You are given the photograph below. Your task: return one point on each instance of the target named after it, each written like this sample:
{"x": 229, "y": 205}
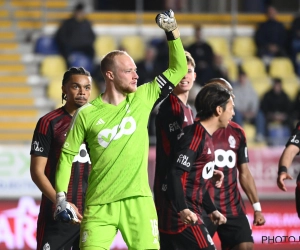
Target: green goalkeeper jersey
{"x": 117, "y": 138}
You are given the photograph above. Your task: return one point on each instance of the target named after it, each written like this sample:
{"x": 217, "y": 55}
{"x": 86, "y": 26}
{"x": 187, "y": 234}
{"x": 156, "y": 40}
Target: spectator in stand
{"x": 247, "y": 106}
{"x": 203, "y": 54}
{"x": 296, "y": 107}
{"x": 75, "y": 34}
{"x": 271, "y": 36}
{"x": 148, "y": 68}
{"x": 277, "y": 108}
{"x": 294, "y": 43}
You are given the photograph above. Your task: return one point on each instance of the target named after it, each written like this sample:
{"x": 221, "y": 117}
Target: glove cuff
{"x": 172, "y": 35}
{"x": 61, "y": 196}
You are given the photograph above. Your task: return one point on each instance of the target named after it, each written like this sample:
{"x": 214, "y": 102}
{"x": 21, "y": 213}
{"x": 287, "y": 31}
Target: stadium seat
{"x": 134, "y": 45}
{"x": 243, "y": 46}
{"x": 261, "y": 85}
{"x": 104, "y": 44}
{"x": 254, "y": 67}
{"x": 281, "y": 67}
{"x": 250, "y": 131}
{"x": 78, "y": 59}
{"x": 220, "y": 45}
{"x": 54, "y": 90}
{"x": 232, "y": 68}
{"x": 53, "y": 66}
{"x": 46, "y": 45}
{"x": 187, "y": 40}
{"x": 291, "y": 86}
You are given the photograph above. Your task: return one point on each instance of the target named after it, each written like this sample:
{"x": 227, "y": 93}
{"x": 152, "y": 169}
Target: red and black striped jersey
{"x": 295, "y": 137}
{"x": 230, "y": 151}
{"x": 295, "y": 140}
{"x": 173, "y": 115}
{"x": 194, "y": 158}
{"x": 48, "y": 138}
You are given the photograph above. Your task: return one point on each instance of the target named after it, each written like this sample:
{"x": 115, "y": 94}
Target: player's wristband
{"x": 173, "y": 35}
{"x": 256, "y": 206}
{"x": 282, "y": 169}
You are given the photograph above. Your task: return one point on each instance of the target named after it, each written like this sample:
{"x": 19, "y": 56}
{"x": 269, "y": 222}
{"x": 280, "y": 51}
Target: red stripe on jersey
{"x": 48, "y": 118}
{"x": 199, "y": 237}
{"x": 196, "y": 138}
{"x": 165, "y": 142}
{"x": 175, "y": 104}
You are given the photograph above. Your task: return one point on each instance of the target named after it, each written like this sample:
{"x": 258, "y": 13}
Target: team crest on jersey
{"x": 82, "y": 155}
{"x": 231, "y": 141}
{"x": 46, "y": 246}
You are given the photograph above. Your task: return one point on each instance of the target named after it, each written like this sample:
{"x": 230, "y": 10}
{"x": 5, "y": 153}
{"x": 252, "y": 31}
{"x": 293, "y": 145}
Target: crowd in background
{"x": 273, "y": 114}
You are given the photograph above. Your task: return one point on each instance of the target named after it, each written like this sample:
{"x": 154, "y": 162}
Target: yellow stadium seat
{"x": 232, "y": 68}
{"x": 291, "y": 86}
{"x": 134, "y": 45}
{"x": 261, "y": 85}
{"x": 254, "y": 67}
{"x": 281, "y": 67}
{"x": 187, "y": 40}
{"x": 54, "y": 91}
{"x": 53, "y": 66}
{"x": 220, "y": 45}
{"x": 250, "y": 131}
{"x": 243, "y": 46}
{"x": 105, "y": 44}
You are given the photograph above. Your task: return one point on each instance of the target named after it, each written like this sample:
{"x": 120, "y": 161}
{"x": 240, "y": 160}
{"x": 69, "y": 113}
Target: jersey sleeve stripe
{"x": 175, "y": 105}
{"x": 47, "y": 119}
{"x": 196, "y": 138}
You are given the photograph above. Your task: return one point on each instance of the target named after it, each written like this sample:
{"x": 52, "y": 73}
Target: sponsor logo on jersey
{"x": 164, "y": 187}
{"x": 173, "y": 126}
{"x": 208, "y": 151}
{"x": 185, "y": 119}
{"x": 35, "y": 146}
{"x": 46, "y": 246}
{"x": 183, "y": 160}
{"x": 180, "y": 135}
{"x": 231, "y": 141}
{"x": 126, "y": 127}
{"x": 225, "y": 158}
{"x": 208, "y": 170}
{"x": 294, "y": 140}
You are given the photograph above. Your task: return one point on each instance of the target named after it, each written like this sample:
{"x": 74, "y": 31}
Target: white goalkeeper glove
{"x": 167, "y": 22}
{"x": 64, "y": 211}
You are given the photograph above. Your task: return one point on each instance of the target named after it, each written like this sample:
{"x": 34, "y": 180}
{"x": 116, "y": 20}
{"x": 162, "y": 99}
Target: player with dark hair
{"x": 115, "y": 127}
{"x": 173, "y": 115}
{"x": 231, "y": 157}
{"x": 48, "y": 138}
{"x": 190, "y": 175}
{"x": 289, "y": 153}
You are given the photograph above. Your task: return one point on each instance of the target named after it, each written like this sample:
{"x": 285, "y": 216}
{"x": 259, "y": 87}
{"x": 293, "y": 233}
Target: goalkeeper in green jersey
{"x": 114, "y": 126}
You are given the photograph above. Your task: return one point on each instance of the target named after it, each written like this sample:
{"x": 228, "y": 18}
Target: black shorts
{"x": 236, "y": 230}
{"x": 193, "y": 238}
{"x": 57, "y": 235}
